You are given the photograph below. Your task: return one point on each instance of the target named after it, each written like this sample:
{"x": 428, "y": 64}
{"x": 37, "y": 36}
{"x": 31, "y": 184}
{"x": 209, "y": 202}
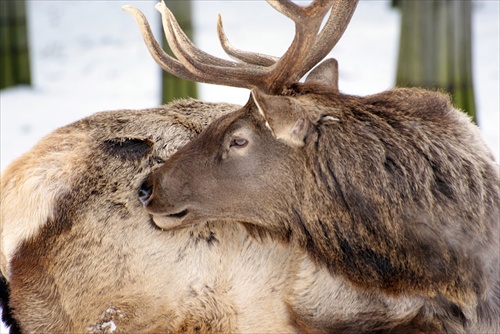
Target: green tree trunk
{"x": 14, "y": 51}
{"x": 173, "y": 87}
{"x": 435, "y": 49}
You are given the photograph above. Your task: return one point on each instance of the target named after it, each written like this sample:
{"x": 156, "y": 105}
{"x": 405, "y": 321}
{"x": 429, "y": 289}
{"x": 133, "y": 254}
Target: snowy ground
{"x": 88, "y": 56}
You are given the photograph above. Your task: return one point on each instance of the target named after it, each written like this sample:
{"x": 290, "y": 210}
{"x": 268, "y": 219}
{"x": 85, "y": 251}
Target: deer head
{"x": 264, "y": 75}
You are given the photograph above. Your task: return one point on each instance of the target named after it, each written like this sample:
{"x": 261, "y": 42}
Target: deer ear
{"x": 284, "y": 117}
{"x": 326, "y": 73}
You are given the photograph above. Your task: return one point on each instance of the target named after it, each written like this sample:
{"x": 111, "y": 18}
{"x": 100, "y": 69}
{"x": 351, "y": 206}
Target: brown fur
{"x": 395, "y": 192}
{"x": 94, "y": 260}
{"x": 80, "y": 253}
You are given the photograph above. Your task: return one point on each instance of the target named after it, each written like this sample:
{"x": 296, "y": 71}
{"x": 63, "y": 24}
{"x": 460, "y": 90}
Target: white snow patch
{"x": 110, "y": 324}
{"x": 106, "y": 323}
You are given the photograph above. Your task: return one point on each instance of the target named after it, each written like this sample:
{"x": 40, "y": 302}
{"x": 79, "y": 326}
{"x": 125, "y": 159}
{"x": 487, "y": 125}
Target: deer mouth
{"x": 178, "y": 215}
{"x": 171, "y": 220}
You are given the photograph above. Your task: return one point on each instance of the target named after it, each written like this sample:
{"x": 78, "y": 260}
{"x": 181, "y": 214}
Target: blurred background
{"x": 64, "y": 60}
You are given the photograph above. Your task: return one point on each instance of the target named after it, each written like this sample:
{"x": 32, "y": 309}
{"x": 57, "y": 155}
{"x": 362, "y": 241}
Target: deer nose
{"x": 145, "y": 192}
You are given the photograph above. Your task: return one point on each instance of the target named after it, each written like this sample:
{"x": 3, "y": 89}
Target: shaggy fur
{"x": 81, "y": 254}
{"x": 395, "y": 192}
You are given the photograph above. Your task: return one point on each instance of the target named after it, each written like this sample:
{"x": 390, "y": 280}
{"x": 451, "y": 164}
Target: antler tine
{"x": 173, "y": 31}
{"x": 166, "y": 62}
{"x": 333, "y": 30}
{"x": 212, "y": 69}
{"x": 287, "y": 8}
{"x": 244, "y": 56}
{"x": 317, "y": 8}
{"x": 291, "y": 67}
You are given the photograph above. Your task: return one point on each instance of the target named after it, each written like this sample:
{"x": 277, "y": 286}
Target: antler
{"x": 252, "y": 70}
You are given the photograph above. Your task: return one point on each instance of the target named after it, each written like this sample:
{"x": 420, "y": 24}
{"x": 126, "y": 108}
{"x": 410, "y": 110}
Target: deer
{"x": 396, "y": 193}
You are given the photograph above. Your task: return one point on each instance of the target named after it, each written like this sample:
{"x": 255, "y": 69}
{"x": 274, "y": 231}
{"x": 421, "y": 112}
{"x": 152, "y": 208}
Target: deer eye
{"x": 238, "y": 142}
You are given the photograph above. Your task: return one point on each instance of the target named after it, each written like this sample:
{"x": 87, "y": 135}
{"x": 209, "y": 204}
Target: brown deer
{"x": 395, "y": 192}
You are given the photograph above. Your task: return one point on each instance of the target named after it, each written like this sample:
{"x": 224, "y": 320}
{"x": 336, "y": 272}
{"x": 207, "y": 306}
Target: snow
{"x": 106, "y": 324}
{"x": 88, "y": 56}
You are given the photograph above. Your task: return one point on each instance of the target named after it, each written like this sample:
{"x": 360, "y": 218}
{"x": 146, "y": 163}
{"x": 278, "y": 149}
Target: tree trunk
{"x": 173, "y": 87}
{"x": 435, "y": 49}
{"x": 14, "y": 52}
